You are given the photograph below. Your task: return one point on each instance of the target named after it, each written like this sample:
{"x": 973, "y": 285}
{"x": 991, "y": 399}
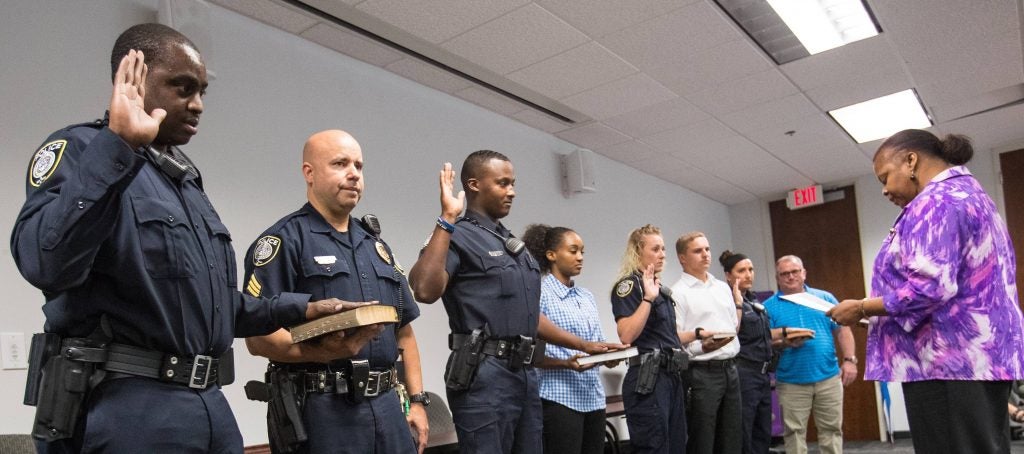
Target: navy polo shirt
{"x": 105, "y": 234}
{"x": 302, "y": 253}
{"x": 660, "y": 330}
{"x": 486, "y": 284}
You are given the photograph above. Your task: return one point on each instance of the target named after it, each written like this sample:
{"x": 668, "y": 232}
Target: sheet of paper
{"x": 808, "y": 300}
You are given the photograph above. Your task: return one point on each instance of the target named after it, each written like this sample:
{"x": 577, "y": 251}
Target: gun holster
{"x": 62, "y": 382}
{"x": 647, "y": 376}
{"x": 464, "y": 361}
{"x": 284, "y": 412}
{"x": 678, "y": 363}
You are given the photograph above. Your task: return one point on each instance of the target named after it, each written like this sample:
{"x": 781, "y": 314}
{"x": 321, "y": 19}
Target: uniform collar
{"x": 691, "y": 281}
{"x": 319, "y": 224}
{"x": 484, "y": 221}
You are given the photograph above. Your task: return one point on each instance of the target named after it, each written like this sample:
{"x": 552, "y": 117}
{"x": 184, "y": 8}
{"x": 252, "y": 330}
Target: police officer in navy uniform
{"x": 322, "y": 251}
{"x": 137, "y": 269}
{"x": 646, "y": 318}
{"x": 754, "y": 361}
{"x": 489, "y": 283}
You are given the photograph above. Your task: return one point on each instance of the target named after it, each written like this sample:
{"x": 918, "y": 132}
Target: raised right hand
{"x": 128, "y": 117}
{"x": 652, "y": 285}
{"x": 451, "y": 204}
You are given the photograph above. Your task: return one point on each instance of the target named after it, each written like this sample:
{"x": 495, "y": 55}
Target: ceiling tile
{"x": 954, "y": 39}
{"x": 490, "y": 100}
{"x": 835, "y": 65}
{"x": 593, "y": 135}
{"x": 427, "y": 74}
{"x": 777, "y": 114}
{"x": 438, "y": 20}
{"x": 745, "y": 165}
{"x": 618, "y": 97}
{"x": 516, "y": 40}
{"x": 602, "y": 17}
{"x": 656, "y": 118}
{"x": 672, "y": 37}
{"x": 698, "y": 180}
{"x": 270, "y": 13}
{"x": 573, "y": 71}
{"x": 742, "y": 93}
{"x": 729, "y": 61}
{"x": 689, "y": 136}
{"x": 628, "y": 152}
{"x": 850, "y": 74}
{"x": 540, "y": 121}
{"x": 352, "y": 44}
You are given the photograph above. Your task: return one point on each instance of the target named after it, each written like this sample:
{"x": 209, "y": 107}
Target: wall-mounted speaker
{"x": 192, "y": 19}
{"x": 578, "y": 172}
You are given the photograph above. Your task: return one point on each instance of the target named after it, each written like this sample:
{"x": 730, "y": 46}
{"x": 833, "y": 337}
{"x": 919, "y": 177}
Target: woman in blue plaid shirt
{"x": 572, "y": 396}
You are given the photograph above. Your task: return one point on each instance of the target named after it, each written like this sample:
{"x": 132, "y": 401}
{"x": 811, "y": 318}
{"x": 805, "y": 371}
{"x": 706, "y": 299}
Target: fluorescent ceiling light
{"x": 821, "y": 25}
{"x": 882, "y": 117}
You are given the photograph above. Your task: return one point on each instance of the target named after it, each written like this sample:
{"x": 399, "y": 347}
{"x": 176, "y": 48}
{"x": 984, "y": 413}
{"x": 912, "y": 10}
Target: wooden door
{"x": 827, "y": 239}
{"x": 1011, "y": 165}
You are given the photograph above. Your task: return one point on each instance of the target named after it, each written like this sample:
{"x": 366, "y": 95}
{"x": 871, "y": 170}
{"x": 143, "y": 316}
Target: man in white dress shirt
{"x": 707, "y": 320}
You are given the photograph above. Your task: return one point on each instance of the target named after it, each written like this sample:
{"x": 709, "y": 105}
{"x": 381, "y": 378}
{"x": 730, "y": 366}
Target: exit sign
{"x": 805, "y": 197}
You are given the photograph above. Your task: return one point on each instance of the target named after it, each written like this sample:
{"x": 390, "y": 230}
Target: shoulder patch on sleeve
{"x": 265, "y": 250}
{"x": 624, "y": 288}
{"x": 45, "y": 162}
{"x": 254, "y": 287}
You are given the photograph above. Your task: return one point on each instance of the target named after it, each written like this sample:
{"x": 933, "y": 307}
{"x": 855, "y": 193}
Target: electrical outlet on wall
{"x": 15, "y": 354}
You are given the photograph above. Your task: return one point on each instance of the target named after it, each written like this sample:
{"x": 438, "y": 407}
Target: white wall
{"x": 272, "y": 90}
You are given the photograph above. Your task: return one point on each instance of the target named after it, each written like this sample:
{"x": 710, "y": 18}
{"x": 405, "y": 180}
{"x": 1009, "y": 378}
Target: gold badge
{"x": 265, "y": 250}
{"x": 624, "y": 288}
{"x": 383, "y": 253}
{"x": 398, "y": 267}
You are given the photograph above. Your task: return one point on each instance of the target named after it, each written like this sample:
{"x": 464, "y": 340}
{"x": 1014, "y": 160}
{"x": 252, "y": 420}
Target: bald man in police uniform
{"x": 489, "y": 285}
{"x": 322, "y": 250}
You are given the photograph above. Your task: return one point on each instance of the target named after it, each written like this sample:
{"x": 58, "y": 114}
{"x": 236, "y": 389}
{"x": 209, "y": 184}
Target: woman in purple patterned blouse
{"x": 945, "y": 318}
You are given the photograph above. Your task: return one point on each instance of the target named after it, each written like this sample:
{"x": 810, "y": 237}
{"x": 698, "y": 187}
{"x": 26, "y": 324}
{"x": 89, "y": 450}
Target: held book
{"x": 799, "y": 333}
{"x": 360, "y": 316}
{"x": 610, "y": 356}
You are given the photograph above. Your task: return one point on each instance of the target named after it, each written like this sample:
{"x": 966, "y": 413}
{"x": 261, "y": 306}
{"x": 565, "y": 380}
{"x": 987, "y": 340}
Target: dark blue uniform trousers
{"x": 145, "y": 415}
{"x": 336, "y": 425}
{"x": 501, "y": 412}
{"x": 756, "y": 394}
{"x": 656, "y": 421}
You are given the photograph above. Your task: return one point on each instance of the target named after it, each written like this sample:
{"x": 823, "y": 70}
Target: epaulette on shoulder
{"x": 98, "y": 123}
{"x": 284, "y": 221}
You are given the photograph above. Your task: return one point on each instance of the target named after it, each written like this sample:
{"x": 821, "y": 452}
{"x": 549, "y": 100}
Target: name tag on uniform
{"x": 496, "y": 253}
{"x": 325, "y": 259}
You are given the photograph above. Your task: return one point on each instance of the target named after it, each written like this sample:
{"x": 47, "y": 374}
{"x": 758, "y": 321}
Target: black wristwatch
{"x": 422, "y": 398}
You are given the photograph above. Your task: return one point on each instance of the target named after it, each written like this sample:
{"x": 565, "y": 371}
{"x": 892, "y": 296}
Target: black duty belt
{"x": 375, "y": 383}
{"x": 714, "y": 363}
{"x": 761, "y": 366}
{"x": 498, "y": 347}
{"x": 663, "y": 361}
{"x": 195, "y": 371}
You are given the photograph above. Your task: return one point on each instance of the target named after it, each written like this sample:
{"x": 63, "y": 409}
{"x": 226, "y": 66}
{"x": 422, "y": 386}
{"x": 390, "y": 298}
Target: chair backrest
{"x": 439, "y": 416}
{"x": 17, "y": 444}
